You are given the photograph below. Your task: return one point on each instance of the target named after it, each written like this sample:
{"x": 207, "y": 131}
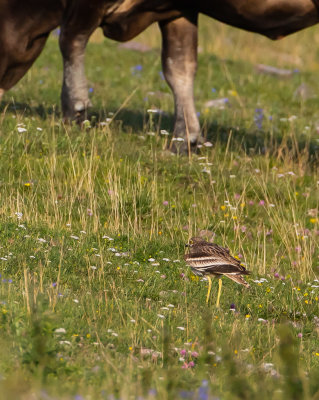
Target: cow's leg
{"x": 76, "y": 29}
{"x": 179, "y": 58}
{"x": 13, "y": 74}
{"x": 17, "y": 62}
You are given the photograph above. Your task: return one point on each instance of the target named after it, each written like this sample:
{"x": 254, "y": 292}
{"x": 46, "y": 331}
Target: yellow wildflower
{"x": 233, "y": 93}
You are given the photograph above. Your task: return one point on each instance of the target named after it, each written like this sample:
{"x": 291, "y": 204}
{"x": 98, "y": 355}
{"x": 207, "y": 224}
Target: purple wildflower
{"x": 203, "y": 391}
{"x": 259, "y": 116}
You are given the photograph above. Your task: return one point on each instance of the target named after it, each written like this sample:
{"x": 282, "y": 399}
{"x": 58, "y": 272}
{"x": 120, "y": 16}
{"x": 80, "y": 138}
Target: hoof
{"x": 81, "y": 106}
{"x": 179, "y": 145}
{"x": 76, "y": 111}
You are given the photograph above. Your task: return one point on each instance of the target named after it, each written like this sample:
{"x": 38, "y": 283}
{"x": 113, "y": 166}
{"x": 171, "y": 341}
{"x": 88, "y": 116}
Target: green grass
{"x": 96, "y": 301}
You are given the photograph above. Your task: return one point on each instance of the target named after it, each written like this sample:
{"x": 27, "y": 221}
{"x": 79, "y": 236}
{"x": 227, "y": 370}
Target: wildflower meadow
{"x": 96, "y": 300}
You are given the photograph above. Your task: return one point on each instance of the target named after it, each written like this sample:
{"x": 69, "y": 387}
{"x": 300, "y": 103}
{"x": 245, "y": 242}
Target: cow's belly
{"x": 131, "y": 17}
{"x": 273, "y": 18}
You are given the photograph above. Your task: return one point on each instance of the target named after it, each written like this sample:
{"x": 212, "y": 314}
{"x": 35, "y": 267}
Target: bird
{"x": 208, "y": 259}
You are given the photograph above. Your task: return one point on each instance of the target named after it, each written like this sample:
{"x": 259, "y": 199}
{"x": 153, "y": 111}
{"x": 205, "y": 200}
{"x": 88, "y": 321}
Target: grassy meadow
{"x": 96, "y": 301}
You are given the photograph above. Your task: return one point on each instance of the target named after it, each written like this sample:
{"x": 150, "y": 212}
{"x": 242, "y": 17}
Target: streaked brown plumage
{"x": 210, "y": 259}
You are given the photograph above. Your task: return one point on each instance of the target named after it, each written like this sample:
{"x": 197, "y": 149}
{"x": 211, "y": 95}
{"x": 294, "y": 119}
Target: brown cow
{"x": 24, "y": 28}
{"x": 26, "y": 25}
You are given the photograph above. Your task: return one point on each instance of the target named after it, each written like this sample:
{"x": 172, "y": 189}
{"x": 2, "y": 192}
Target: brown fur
{"x": 25, "y": 26}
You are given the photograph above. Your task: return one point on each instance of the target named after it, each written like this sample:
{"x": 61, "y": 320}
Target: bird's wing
{"x": 214, "y": 263}
{"x": 210, "y": 258}
{"x": 212, "y": 249}
{"x": 201, "y": 260}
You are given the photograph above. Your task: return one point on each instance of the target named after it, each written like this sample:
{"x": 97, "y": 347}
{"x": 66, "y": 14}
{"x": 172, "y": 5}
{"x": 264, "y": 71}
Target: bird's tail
{"x": 239, "y": 279}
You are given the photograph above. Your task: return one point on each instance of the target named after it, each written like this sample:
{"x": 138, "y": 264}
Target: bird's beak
{"x": 186, "y": 245}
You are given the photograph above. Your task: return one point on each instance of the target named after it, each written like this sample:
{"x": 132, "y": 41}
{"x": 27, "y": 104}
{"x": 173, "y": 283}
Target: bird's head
{"x": 195, "y": 241}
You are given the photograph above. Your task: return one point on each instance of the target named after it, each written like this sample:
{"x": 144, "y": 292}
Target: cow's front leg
{"x": 75, "y": 32}
{"x": 74, "y": 97}
{"x": 179, "y": 58}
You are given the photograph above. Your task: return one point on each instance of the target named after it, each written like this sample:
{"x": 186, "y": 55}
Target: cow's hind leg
{"x": 78, "y": 24}
{"x": 179, "y": 59}
{"x": 17, "y": 62}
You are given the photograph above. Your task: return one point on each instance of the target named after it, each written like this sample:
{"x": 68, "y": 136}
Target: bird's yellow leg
{"x": 209, "y": 287}
{"x": 220, "y": 283}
